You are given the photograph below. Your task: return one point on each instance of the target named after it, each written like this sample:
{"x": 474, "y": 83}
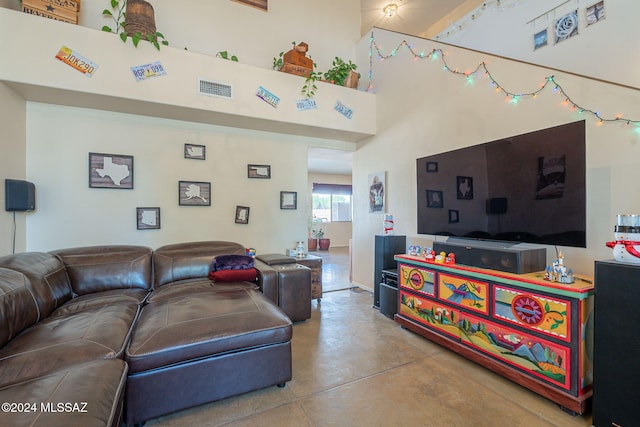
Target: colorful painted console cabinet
{"x": 536, "y": 333}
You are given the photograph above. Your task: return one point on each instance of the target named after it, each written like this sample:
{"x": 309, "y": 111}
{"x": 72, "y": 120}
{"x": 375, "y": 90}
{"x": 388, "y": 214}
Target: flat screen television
{"x": 526, "y": 188}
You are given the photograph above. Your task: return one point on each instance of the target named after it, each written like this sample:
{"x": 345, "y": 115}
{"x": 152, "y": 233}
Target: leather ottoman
{"x": 294, "y": 290}
{"x": 312, "y": 261}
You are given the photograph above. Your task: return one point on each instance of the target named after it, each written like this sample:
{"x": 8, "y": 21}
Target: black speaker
{"x": 19, "y": 195}
{"x": 516, "y": 258}
{"x": 386, "y": 247}
{"x": 497, "y": 205}
{"x": 616, "y": 356}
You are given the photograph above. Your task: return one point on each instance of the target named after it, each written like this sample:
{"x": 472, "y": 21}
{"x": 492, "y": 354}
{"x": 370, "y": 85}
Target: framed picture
{"x": 148, "y": 218}
{"x": 110, "y": 171}
{"x": 595, "y": 13}
{"x": 464, "y": 186}
{"x": 434, "y": 199}
{"x": 242, "y": 215}
{"x": 193, "y": 193}
{"x": 377, "y": 183}
{"x": 540, "y": 39}
{"x": 453, "y": 216}
{"x": 432, "y": 167}
{"x": 288, "y": 200}
{"x": 195, "y": 152}
{"x": 259, "y": 171}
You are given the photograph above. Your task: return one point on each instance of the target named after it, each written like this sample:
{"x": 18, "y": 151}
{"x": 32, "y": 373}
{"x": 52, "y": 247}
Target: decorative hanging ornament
{"x": 566, "y": 25}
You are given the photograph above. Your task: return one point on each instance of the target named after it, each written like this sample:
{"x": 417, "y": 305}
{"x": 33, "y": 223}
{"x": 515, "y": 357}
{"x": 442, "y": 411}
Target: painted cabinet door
{"x": 418, "y": 279}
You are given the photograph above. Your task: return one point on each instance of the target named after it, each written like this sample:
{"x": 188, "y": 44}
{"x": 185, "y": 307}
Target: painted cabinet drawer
{"x": 464, "y": 292}
{"x": 417, "y": 279}
{"x": 548, "y": 315}
{"x": 545, "y": 360}
{"x": 429, "y": 313}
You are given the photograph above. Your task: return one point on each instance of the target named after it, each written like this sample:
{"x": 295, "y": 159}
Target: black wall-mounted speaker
{"x": 19, "y": 195}
{"x": 497, "y": 205}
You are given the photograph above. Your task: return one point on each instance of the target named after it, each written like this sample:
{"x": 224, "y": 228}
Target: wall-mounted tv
{"x": 526, "y": 188}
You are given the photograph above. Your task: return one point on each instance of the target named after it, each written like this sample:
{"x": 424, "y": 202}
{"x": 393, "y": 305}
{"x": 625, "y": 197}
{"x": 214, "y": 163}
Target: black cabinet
{"x": 385, "y": 249}
{"x": 389, "y": 293}
{"x": 616, "y": 351}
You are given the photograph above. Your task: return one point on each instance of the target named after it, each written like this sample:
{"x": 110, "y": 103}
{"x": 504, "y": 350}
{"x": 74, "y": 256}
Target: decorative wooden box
{"x": 59, "y": 10}
{"x": 296, "y": 62}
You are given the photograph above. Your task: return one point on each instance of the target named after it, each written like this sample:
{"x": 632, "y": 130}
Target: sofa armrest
{"x": 267, "y": 280}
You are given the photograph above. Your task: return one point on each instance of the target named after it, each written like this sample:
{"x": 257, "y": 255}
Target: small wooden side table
{"x": 314, "y": 262}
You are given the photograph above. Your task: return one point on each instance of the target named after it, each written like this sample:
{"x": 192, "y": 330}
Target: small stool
{"x": 294, "y": 290}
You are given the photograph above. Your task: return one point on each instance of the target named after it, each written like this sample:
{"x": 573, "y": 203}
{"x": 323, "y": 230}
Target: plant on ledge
{"x": 341, "y": 72}
{"x": 311, "y": 77}
{"x": 225, "y": 55}
{"x": 119, "y": 8}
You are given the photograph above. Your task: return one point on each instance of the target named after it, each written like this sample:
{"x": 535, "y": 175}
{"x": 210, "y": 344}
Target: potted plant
{"x": 135, "y": 19}
{"x": 313, "y": 230}
{"x": 296, "y": 62}
{"x": 323, "y": 242}
{"x": 343, "y": 73}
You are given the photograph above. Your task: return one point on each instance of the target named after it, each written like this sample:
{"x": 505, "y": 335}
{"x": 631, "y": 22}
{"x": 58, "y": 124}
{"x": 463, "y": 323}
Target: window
{"x": 331, "y": 202}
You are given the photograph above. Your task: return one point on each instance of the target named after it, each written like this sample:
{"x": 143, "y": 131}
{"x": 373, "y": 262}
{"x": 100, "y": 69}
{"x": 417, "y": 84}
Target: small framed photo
{"x": 195, "y": 152}
{"x": 432, "y": 167}
{"x": 259, "y": 171}
{"x": 110, "y": 171}
{"x": 434, "y": 199}
{"x": 148, "y": 218}
{"x": 453, "y": 216}
{"x": 464, "y": 185}
{"x": 288, "y": 200}
{"x": 242, "y": 215}
{"x": 194, "y": 193}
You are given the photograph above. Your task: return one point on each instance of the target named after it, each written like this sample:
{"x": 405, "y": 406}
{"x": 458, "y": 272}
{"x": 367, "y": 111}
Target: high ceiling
{"x": 414, "y": 18}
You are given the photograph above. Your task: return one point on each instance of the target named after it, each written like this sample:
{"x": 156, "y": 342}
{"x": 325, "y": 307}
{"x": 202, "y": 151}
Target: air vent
{"x": 210, "y": 88}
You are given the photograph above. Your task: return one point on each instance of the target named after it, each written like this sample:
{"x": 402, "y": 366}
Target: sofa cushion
{"x": 102, "y": 268}
{"x": 184, "y": 261}
{"x": 18, "y": 308}
{"x": 194, "y": 286}
{"x": 98, "y": 299}
{"x": 204, "y": 324}
{"x": 249, "y": 275}
{"x": 59, "y": 341}
{"x": 47, "y": 278}
{"x": 232, "y": 262}
{"x": 93, "y": 389}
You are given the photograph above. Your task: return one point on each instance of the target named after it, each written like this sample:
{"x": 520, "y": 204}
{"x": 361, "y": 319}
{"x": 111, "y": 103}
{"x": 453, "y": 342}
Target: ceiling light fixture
{"x": 390, "y": 10}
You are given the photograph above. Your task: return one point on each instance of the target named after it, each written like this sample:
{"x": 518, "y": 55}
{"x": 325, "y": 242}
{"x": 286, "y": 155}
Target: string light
{"x": 512, "y": 97}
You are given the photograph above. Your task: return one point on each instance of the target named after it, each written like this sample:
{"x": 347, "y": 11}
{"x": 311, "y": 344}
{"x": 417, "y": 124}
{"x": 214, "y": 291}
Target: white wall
{"x": 52, "y": 142}
{"x": 12, "y": 165}
{"x": 424, "y": 110}
{"x": 72, "y": 214}
{"x": 607, "y": 49}
{"x": 330, "y": 27}
{"x": 338, "y": 232}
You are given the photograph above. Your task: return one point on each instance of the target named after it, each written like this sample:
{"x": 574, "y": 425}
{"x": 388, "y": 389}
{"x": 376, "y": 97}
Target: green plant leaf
{"x": 114, "y": 4}
{"x": 107, "y": 12}
{"x": 107, "y": 29}
{"x": 123, "y": 37}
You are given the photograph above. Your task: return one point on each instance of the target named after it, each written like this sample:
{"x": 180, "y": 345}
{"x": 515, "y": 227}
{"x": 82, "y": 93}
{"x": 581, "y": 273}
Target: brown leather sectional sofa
{"x": 95, "y": 336}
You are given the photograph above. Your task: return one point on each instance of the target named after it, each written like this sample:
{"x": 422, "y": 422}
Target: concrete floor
{"x": 352, "y": 366}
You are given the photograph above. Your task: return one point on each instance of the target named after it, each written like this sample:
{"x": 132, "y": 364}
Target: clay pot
{"x": 140, "y": 18}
